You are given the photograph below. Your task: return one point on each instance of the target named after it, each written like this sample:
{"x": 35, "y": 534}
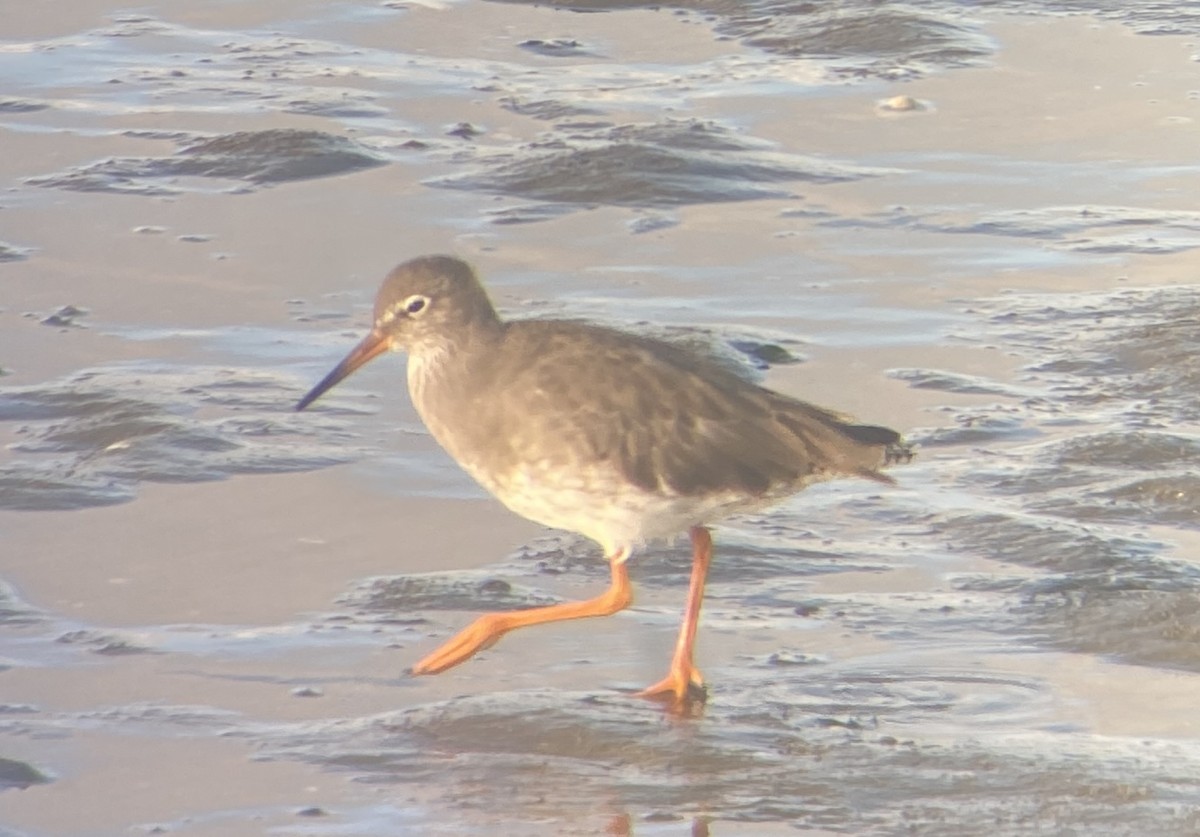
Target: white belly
{"x": 610, "y": 511}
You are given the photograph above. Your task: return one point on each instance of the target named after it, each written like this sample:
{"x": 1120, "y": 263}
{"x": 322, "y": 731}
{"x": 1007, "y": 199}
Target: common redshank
{"x": 616, "y": 436}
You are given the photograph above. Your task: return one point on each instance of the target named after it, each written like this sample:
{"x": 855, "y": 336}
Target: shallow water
{"x": 204, "y": 623}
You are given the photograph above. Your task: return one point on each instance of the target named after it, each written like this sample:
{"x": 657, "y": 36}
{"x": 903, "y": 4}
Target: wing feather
{"x": 665, "y": 419}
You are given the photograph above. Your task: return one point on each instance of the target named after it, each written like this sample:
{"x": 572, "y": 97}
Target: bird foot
{"x": 681, "y": 689}
{"x": 483, "y": 633}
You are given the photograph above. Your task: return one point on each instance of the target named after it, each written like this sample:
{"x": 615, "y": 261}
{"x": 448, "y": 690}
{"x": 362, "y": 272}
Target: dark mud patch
{"x": 556, "y": 47}
{"x": 13, "y": 252}
{"x": 1094, "y": 229}
{"x": 531, "y": 754}
{"x": 1169, "y": 499}
{"x": 1149, "y": 19}
{"x": 46, "y": 486}
{"x": 662, "y": 164}
{"x": 744, "y": 351}
{"x": 22, "y": 105}
{"x": 15, "y": 612}
{"x": 1098, "y": 469}
{"x": 172, "y": 719}
{"x": 1143, "y": 614}
{"x": 1117, "y": 362}
{"x": 136, "y": 719}
{"x": 256, "y": 158}
{"x": 944, "y": 381}
{"x": 1091, "y": 229}
{"x": 20, "y": 775}
{"x": 1028, "y": 540}
{"x": 90, "y": 438}
{"x": 545, "y": 109}
{"x": 103, "y": 643}
{"x": 63, "y": 317}
{"x": 1137, "y": 348}
{"x": 1132, "y": 361}
{"x": 391, "y": 598}
{"x": 529, "y": 213}
{"x": 855, "y": 39}
{"x": 519, "y": 759}
{"x": 1132, "y": 618}
{"x": 979, "y": 426}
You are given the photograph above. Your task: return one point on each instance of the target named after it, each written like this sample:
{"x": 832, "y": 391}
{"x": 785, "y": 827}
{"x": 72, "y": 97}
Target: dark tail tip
{"x": 898, "y": 453}
{"x": 895, "y": 449}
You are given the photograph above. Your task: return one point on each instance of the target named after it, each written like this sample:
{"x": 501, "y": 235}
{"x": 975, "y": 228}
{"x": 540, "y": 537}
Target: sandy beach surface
{"x": 976, "y": 224}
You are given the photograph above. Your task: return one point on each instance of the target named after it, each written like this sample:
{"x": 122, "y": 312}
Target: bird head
{"x": 424, "y": 304}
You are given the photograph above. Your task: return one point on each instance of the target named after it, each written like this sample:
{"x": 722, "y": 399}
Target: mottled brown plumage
{"x": 619, "y": 437}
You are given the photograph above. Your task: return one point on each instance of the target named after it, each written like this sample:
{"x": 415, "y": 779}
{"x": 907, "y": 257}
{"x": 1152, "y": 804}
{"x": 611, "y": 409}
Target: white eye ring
{"x": 415, "y": 304}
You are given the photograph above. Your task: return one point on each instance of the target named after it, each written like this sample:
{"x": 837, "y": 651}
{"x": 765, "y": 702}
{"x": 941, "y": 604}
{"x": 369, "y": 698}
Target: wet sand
{"x": 211, "y": 638}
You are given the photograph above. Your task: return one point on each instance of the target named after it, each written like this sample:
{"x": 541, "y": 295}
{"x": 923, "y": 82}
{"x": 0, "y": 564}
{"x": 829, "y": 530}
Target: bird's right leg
{"x": 487, "y": 629}
{"x": 683, "y": 684}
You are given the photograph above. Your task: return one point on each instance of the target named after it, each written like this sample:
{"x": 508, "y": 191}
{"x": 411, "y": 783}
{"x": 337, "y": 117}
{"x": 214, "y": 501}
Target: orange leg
{"x": 683, "y": 683}
{"x": 487, "y": 629}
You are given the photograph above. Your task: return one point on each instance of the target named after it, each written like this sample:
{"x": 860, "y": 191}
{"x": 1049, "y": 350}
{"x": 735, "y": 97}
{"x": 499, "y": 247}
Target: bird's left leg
{"x": 487, "y": 629}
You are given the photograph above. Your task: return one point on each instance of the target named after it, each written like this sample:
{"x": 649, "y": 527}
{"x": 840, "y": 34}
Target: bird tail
{"x": 895, "y": 449}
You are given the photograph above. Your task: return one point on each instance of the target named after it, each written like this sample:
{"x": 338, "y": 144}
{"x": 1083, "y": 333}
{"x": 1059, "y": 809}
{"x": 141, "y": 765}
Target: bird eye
{"x": 415, "y": 304}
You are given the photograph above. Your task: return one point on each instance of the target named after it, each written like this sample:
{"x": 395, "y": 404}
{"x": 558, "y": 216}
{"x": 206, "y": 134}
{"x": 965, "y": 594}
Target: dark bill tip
{"x": 371, "y": 346}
